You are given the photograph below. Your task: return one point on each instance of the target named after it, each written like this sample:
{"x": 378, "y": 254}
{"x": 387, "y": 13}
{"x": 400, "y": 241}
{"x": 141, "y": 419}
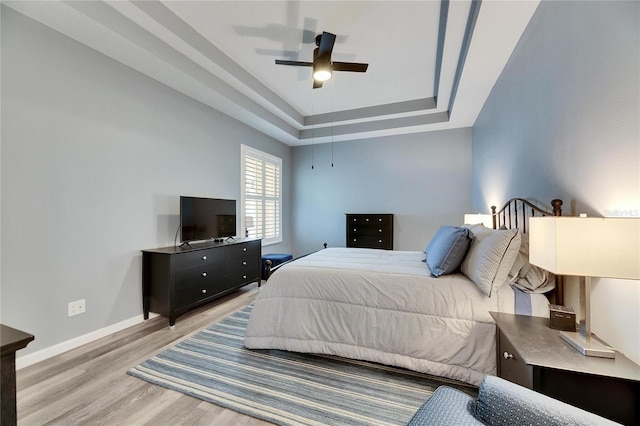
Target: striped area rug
{"x": 283, "y": 387}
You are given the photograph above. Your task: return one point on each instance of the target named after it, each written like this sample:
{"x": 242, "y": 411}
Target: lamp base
{"x": 588, "y": 347}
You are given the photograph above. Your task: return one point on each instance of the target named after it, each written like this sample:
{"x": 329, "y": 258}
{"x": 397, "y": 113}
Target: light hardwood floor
{"x": 89, "y": 385}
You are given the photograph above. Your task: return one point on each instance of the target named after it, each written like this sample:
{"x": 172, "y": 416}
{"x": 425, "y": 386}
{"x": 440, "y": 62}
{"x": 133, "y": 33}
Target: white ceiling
{"x": 222, "y": 53}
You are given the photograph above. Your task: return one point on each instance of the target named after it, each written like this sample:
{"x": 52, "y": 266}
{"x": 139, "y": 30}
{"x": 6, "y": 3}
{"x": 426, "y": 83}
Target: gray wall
{"x": 423, "y": 179}
{"x": 563, "y": 122}
{"x": 94, "y": 158}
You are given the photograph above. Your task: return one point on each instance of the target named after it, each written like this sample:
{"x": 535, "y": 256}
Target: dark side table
{"x": 11, "y": 340}
{"x": 533, "y": 355}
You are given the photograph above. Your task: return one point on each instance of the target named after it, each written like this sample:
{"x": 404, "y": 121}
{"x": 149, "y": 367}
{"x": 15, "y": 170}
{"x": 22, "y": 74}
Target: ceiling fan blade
{"x": 294, "y": 63}
{"x": 326, "y": 43}
{"x": 317, "y": 84}
{"x": 349, "y": 66}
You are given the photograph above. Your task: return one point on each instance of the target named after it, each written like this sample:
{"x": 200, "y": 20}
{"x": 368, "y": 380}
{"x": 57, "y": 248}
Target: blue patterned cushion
{"x": 447, "y": 249}
{"x": 501, "y": 402}
{"x": 446, "y": 407}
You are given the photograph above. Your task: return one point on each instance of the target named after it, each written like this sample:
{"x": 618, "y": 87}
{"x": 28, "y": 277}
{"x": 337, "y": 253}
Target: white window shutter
{"x": 261, "y": 195}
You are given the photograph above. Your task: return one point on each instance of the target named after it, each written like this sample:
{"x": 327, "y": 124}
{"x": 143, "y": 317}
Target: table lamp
{"x": 586, "y": 247}
{"x": 248, "y": 223}
{"x": 476, "y": 218}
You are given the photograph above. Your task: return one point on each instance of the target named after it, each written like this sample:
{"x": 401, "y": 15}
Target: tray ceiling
{"x": 432, "y": 64}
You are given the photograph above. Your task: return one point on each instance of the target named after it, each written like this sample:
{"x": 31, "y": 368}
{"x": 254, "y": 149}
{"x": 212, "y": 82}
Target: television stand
{"x": 177, "y": 279}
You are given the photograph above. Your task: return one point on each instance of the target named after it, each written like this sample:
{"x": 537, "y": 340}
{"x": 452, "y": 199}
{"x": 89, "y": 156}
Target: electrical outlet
{"x": 76, "y": 307}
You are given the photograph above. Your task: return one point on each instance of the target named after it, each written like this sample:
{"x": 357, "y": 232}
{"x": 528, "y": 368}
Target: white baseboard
{"x": 46, "y": 353}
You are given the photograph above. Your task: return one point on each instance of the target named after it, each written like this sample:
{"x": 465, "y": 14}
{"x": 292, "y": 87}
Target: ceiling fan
{"x": 322, "y": 66}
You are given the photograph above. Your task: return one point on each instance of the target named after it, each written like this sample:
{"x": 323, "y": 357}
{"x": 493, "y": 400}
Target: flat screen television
{"x": 206, "y": 218}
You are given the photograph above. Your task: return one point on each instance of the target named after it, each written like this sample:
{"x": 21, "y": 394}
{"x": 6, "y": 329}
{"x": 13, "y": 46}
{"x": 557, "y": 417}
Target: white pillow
{"x": 527, "y": 277}
{"x": 534, "y": 280}
{"x": 522, "y": 258}
{"x": 490, "y": 257}
{"x": 478, "y": 227}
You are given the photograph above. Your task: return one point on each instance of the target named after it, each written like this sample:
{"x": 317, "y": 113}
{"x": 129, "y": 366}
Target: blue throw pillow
{"x": 447, "y": 249}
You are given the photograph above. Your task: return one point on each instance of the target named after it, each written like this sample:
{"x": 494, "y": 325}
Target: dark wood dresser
{"x": 11, "y": 340}
{"x": 533, "y": 355}
{"x": 370, "y": 230}
{"x": 176, "y": 279}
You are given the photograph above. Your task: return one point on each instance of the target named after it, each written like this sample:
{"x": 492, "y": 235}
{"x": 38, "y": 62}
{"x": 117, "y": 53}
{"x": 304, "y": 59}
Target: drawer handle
{"x": 204, "y": 257}
{"x": 355, "y": 240}
{"x": 244, "y": 277}
{"x": 379, "y": 230}
{"x": 379, "y": 219}
{"x": 507, "y": 355}
{"x": 244, "y": 263}
{"x": 204, "y": 274}
{"x": 204, "y": 290}
{"x": 244, "y": 249}
{"x": 367, "y": 219}
{"x": 355, "y": 229}
{"x": 379, "y": 241}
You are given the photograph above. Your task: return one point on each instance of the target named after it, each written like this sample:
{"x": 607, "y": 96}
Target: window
{"x": 261, "y": 210}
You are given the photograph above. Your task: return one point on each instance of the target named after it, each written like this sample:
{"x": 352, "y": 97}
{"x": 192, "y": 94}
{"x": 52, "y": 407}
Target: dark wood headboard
{"x": 515, "y": 214}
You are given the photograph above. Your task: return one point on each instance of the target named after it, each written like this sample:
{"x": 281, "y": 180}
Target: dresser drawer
{"x": 198, "y": 283}
{"x": 195, "y": 293}
{"x": 372, "y": 231}
{"x": 200, "y": 274}
{"x": 251, "y": 249}
{"x": 512, "y": 367}
{"x": 383, "y": 220}
{"x": 368, "y": 241}
{"x": 242, "y": 270}
{"x": 199, "y": 258}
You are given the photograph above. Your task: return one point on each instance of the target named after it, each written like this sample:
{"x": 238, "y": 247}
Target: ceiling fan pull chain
{"x": 332, "y": 84}
{"x": 313, "y": 128}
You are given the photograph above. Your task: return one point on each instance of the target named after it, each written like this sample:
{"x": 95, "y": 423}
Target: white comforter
{"x": 380, "y": 306}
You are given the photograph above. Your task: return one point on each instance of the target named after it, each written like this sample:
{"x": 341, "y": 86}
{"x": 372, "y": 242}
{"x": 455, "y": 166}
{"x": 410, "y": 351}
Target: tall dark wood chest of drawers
{"x": 370, "y": 230}
{"x": 176, "y": 279}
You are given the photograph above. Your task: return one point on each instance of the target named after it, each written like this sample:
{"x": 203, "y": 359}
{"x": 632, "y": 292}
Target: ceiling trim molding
{"x": 405, "y": 107}
{"x": 183, "y": 31}
{"x": 167, "y": 18}
{"x": 373, "y": 126}
{"x": 442, "y": 29}
{"x": 149, "y": 37}
{"x": 474, "y": 10}
{"x": 372, "y": 111}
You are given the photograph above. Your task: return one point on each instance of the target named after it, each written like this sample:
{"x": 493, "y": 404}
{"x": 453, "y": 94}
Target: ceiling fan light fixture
{"x": 322, "y": 69}
{"x": 322, "y": 75}
{"x": 322, "y": 66}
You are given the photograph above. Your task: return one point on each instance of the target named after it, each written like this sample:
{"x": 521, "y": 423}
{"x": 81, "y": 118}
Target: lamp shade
{"x": 322, "y": 68}
{"x": 474, "y": 219}
{"x": 593, "y": 247}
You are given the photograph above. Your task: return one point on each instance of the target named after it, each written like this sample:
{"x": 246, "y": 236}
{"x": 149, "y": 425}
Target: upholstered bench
{"x": 500, "y": 402}
{"x": 276, "y": 259}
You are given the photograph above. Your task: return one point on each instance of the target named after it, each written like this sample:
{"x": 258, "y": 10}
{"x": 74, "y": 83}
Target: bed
{"x": 387, "y": 307}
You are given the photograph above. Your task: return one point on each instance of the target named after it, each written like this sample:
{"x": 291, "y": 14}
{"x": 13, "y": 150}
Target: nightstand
{"x": 535, "y": 356}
